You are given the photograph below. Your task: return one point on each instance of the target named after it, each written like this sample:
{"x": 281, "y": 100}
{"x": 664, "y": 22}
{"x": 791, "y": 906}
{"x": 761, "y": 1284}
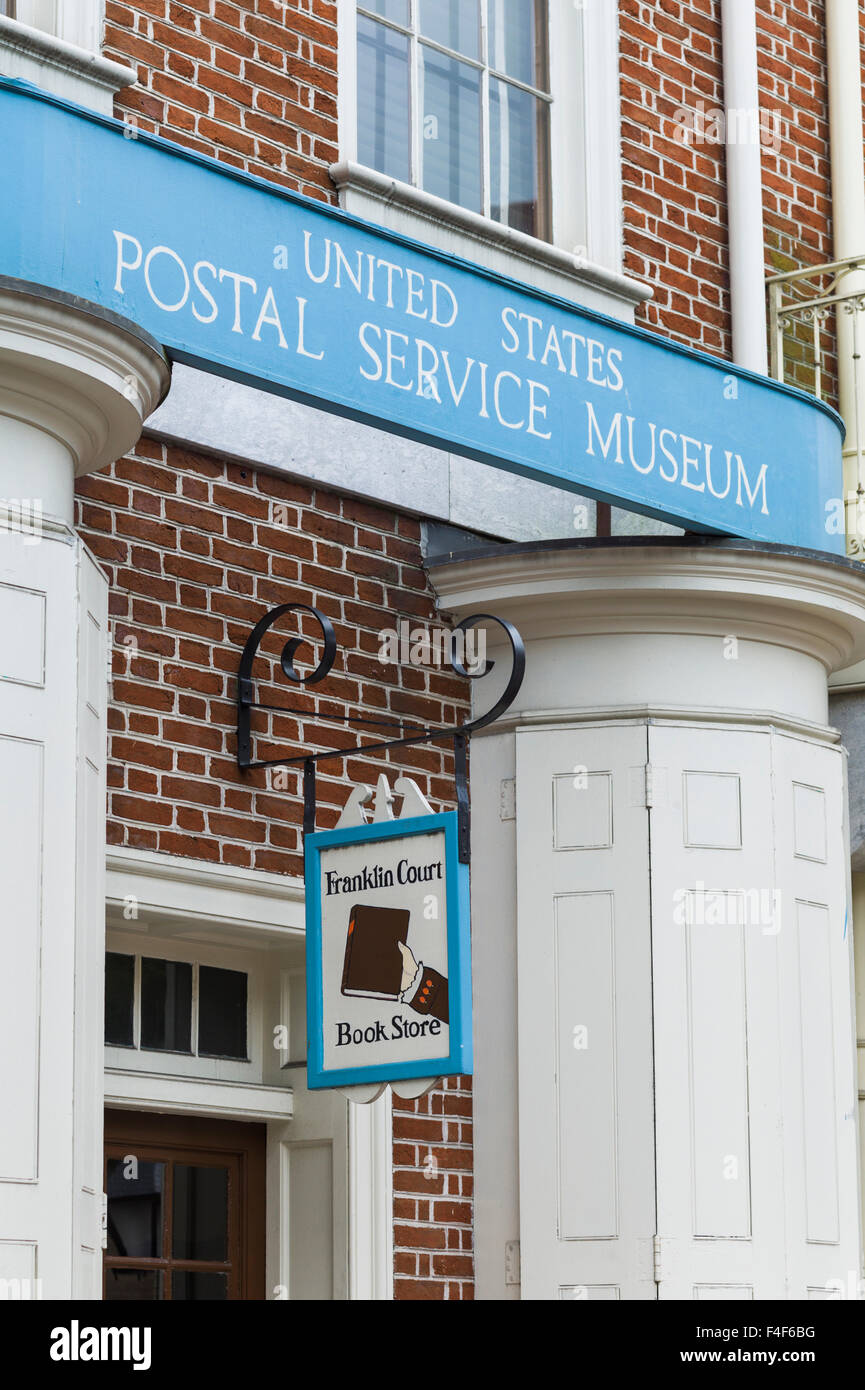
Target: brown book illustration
{"x": 373, "y": 962}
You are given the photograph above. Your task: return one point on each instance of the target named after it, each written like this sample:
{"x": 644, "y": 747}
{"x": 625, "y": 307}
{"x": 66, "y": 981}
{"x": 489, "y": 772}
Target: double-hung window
{"x": 454, "y": 97}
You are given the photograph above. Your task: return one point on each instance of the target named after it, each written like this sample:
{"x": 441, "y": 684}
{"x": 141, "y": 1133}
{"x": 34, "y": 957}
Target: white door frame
{"x": 259, "y": 910}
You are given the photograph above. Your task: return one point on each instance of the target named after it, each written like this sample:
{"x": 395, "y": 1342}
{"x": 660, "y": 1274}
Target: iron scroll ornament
{"x": 459, "y": 733}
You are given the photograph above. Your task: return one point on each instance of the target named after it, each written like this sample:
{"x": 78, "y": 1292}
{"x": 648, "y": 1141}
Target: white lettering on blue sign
{"x": 238, "y": 277}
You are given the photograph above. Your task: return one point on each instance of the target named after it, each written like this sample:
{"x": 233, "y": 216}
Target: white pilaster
{"x": 75, "y": 385}
{"x": 667, "y": 1026}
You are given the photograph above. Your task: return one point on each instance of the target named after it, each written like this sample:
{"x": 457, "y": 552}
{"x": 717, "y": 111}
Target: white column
{"x": 665, "y": 1022}
{"x": 75, "y": 385}
{"x": 744, "y": 183}
{"x": 843, "y": 55}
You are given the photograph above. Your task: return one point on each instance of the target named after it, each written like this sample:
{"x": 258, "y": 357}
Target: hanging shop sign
{"x": 388, "y": 971}
{"x": 241, "y": 278}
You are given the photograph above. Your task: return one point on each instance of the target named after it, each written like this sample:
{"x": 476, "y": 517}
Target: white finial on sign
{"x": 414, "y": 802}
{"x": 383, "y": 800}
{"x": 352, "y": 813}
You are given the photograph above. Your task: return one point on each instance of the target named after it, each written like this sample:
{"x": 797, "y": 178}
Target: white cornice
{"x": 77, "y": 372}
{"x": 792, "y": 599}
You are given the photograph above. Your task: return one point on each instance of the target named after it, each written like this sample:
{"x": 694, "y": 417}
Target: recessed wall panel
{"x": 818, "y": 1072}
{"x": 21, "y": 829}
{"x": 586, "y": 1067}
{"x": 583, "y": 810}
{"x": 719, "y": 1067}
{"x": 22, "y": 622}
{"x": 712, "y": 810}
{"x": 809, "y": 822}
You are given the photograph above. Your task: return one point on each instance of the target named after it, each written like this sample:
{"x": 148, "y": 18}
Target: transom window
{"x": 454, "y": 97}
{"x": 175, "y": 1006}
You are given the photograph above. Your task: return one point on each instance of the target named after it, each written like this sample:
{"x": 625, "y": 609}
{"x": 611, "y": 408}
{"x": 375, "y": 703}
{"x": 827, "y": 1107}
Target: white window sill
{"x": 402, "y": 208}
{"x": 31, "y": 55}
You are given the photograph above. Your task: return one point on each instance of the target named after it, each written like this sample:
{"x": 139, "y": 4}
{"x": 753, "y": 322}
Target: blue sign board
{"x": 241, "y": 278}
{"x": 388, "y": 957}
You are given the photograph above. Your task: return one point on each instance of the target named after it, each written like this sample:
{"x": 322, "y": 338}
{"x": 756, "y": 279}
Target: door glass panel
{"x": 199, "y": 1285}
{"x": 451, "y": 129}
{"x": 135, "y": 1207}
{"x": 200, "y": 1213}
{"x": 221, "y": 1012}
{"x": 133, "y": 1285}
{"x": 166, "y": 1005}
{"x": 119, "y": 994}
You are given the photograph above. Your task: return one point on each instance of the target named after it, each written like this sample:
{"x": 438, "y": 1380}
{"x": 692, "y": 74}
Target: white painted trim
{"x": 63, "y": 60}
{"x": 744, "y": 187}
{"x": 601, "y": 116}
{"x": 229, "y": 1100}
{"x": 422, "y": 215}
{"x": 170, "y": 886}
{"x": 370, "y": 1200}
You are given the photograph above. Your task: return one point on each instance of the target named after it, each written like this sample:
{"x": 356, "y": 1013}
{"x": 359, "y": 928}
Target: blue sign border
{"x": 73, "y": 171}
{"x": 458, "y": 1061}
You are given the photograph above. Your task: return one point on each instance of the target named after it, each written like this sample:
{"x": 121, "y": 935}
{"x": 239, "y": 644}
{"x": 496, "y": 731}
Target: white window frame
{"x": 79, "y": 22}
{"x": 584, "y": 83}
{"x": 249, "y": 1069}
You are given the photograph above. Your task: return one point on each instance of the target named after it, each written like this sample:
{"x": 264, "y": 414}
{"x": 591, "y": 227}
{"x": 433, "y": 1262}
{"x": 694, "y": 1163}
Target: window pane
{"x": 166, "y": 1005}
{"x": 451, "y": 129}
{"x": 133, "y": 1285}
{"x": 198, "y": 1285}
{"x": 397, "y": 10}
{"x": 518, "y": 40}
{"x": 519, "y": 141}
{"x": 221, "y": 1012}
{"x": 383, "y": 99}
{"x": 452, "y": 23}
{"x": 119, "y": 994}
{"x": 135, "y": 1207}
{"x": 200, "y": 1213}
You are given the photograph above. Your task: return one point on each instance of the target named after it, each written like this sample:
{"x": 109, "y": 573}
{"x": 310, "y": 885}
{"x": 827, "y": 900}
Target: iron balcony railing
{"x": 811, "y": 346}
{"x": 806, "y": 299}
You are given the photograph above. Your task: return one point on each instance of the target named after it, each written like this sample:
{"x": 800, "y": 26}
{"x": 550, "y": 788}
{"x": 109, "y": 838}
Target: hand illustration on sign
{"x": 379, "y": 965}
{"x": 423, "y": 989}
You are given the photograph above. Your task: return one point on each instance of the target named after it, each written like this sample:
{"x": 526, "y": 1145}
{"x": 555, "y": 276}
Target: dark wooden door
{"x": 186, "y": 1203}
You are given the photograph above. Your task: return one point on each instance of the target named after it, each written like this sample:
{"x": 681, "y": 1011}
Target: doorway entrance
{"x": 186, "y": 1203}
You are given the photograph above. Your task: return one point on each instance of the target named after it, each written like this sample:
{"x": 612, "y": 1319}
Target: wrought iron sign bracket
{"x": 407, "y": 733}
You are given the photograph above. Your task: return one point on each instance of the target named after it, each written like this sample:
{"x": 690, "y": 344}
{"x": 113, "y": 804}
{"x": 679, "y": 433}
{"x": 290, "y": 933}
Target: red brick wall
{"x": 433, "y": 1189}
{"x": 252, "y": 83}
{"x": 196, "y": 550}
{"x": 674, "y": 192}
